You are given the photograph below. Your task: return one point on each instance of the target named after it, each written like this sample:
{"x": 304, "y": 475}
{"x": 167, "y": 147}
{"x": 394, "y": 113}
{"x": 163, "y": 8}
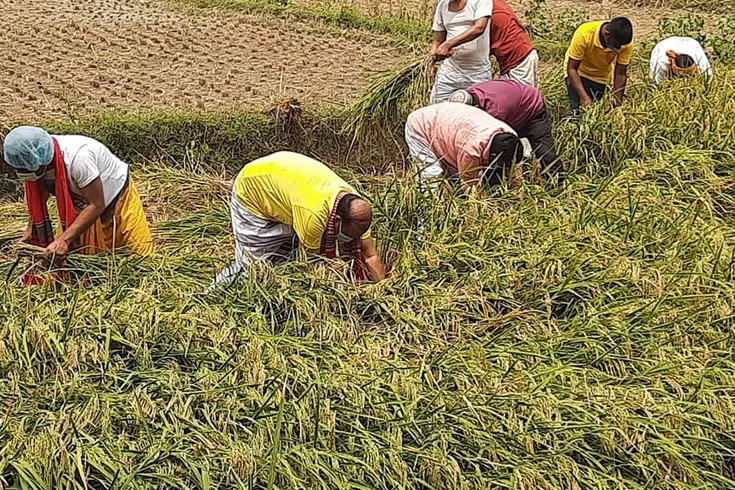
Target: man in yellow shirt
{"x": 597, "y": 48}
{"x": 284, "y": 200}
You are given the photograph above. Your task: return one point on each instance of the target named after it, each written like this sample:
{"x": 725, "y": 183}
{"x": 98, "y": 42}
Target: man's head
{"x": 29, "y": 150}
{"x": 355, "y": 216}
{"x": 506, "y": 150}
{"x": 680, "y": 64}
{"x": 617, "y": 33}
{"x": 464, "y": 97}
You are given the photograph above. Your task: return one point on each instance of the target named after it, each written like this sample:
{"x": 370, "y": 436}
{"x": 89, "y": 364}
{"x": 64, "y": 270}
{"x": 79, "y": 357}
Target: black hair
{"x": 684, "y": 61}
{"x": 620, "y": 30}
{"x": 506, "y": 150}
{"x": 344, "y": 206}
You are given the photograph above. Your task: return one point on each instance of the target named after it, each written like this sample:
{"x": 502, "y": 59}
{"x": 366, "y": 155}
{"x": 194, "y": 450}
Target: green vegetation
{"x": 217, "y": 142}
{"x": 578, "y": 338}
{"x": 551, "y": 31}
{"x": 533, "y": 339}
{"x": 719, "y": 38}
{"x": 392, "y": 95}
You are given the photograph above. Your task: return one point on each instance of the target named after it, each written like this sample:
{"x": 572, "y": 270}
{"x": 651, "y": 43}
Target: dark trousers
{"x": 594, "y": 89}
{"x": 538, "y": 133}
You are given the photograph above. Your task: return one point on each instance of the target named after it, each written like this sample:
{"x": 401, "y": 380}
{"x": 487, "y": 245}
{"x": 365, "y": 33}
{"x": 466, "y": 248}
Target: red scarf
{"x": 353, "y": 248}
{"x": 42, "y": 231}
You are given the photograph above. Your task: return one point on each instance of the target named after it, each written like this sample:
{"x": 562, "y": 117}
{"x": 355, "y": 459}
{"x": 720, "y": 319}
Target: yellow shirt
{"x": 292, "y": 189}
{"x": 597, "y": 62}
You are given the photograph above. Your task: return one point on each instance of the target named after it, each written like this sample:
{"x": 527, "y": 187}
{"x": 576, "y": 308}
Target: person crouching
{"x": 678, "y": 56}
{"x": 451, "y": 139}
{"x": 98, "y": 204}
{"x": 286, "y": 200}
{"x": 522, "y": 107}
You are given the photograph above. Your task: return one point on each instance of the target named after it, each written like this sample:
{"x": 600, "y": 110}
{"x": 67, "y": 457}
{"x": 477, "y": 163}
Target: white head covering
{"x": 28, "y": 148}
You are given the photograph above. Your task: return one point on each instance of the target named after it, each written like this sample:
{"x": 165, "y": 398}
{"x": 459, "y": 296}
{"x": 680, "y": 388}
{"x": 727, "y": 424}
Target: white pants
{"x": 430, "y": 170}
{"x": 448, "y": 81}
{"x": 526, "y": 72}
{"x": 256, "y": 238}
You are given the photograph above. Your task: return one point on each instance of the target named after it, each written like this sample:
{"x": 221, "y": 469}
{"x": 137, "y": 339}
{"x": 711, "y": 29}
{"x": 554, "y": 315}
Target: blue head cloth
{"x": 28, "y": 148}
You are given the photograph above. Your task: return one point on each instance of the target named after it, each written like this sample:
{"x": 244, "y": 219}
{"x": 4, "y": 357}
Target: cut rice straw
{"x": 391, "y": 96}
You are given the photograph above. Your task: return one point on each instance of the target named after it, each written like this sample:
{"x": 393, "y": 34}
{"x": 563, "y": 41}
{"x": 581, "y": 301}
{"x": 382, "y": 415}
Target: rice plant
{"x": 532, "y": 339}
{"x": 389, "y": 98}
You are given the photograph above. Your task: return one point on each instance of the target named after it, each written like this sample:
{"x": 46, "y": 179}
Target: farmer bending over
{"x": 678, "y": 57}
{"x": 522, "y": 108}
{"x": 452, "y": 139}
{"x": 97, "y": 201}
{"x": 597, "y": 48}
{"x": 511, "y": 45}
{"x": 462, "y": 45}
{"x": 284, "y": 200}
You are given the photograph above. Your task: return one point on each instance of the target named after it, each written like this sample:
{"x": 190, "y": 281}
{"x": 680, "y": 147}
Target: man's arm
{"x": 438, "y": 38}
{"x": 374, "y": 265}
{"x": 576, "y": 81}
{"x": 475, "y": 31}
{"x": 94, "y": 197}
{"x": 621, "y": 80}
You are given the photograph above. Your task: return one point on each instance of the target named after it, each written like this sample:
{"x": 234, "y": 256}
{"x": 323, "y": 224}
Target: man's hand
{"x": 444, "y": 50}
{"x": 375, "y": 268}
{"x": 621, "y": 80}
{"x": 438, "y": 39}
{"x": 585, "y": 100}
{"x": 57, "y": 250}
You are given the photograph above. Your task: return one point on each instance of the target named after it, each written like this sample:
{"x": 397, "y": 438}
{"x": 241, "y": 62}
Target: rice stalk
{"x": 391, "y": 95}
{"x": 580, "y": 338}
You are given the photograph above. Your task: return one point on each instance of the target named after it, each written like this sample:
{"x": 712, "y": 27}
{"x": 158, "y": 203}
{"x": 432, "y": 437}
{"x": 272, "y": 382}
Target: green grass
{"x": 217, "y": 141}
{"x": 537, "y": 339}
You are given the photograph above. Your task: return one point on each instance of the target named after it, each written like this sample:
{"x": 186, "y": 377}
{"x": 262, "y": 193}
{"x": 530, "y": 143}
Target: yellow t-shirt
{"x": 292, "y": 189}
{"x": 597, "y": 62}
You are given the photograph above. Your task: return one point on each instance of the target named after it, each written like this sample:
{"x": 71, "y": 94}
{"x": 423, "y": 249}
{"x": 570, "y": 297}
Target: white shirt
{"x": 680, "y": 45}
{"x": 473, "y": 56}
{"x": 87, "y": 159}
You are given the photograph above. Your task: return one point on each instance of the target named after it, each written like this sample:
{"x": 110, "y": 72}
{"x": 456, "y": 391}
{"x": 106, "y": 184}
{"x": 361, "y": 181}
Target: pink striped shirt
{"x": 458, "y": 134}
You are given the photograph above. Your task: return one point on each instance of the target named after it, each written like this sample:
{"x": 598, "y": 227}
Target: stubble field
{"x": 70, "y": 58}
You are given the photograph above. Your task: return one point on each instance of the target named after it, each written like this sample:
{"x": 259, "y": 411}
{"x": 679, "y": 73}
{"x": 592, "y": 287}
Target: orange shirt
{"x": 509, "y": 41}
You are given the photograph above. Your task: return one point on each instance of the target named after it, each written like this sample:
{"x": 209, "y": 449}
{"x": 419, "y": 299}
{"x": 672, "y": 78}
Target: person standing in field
{"x": 512, "y": 46}
{"x": 678, "y": 56}
{"x": 457, "y": 140}
{"x": 285, "y": 200}
{"x": 522, "y": 107}
{"x": 97, "y": 201}
{"x": 461, "y": 45}
{"x": 599, "y": 51}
